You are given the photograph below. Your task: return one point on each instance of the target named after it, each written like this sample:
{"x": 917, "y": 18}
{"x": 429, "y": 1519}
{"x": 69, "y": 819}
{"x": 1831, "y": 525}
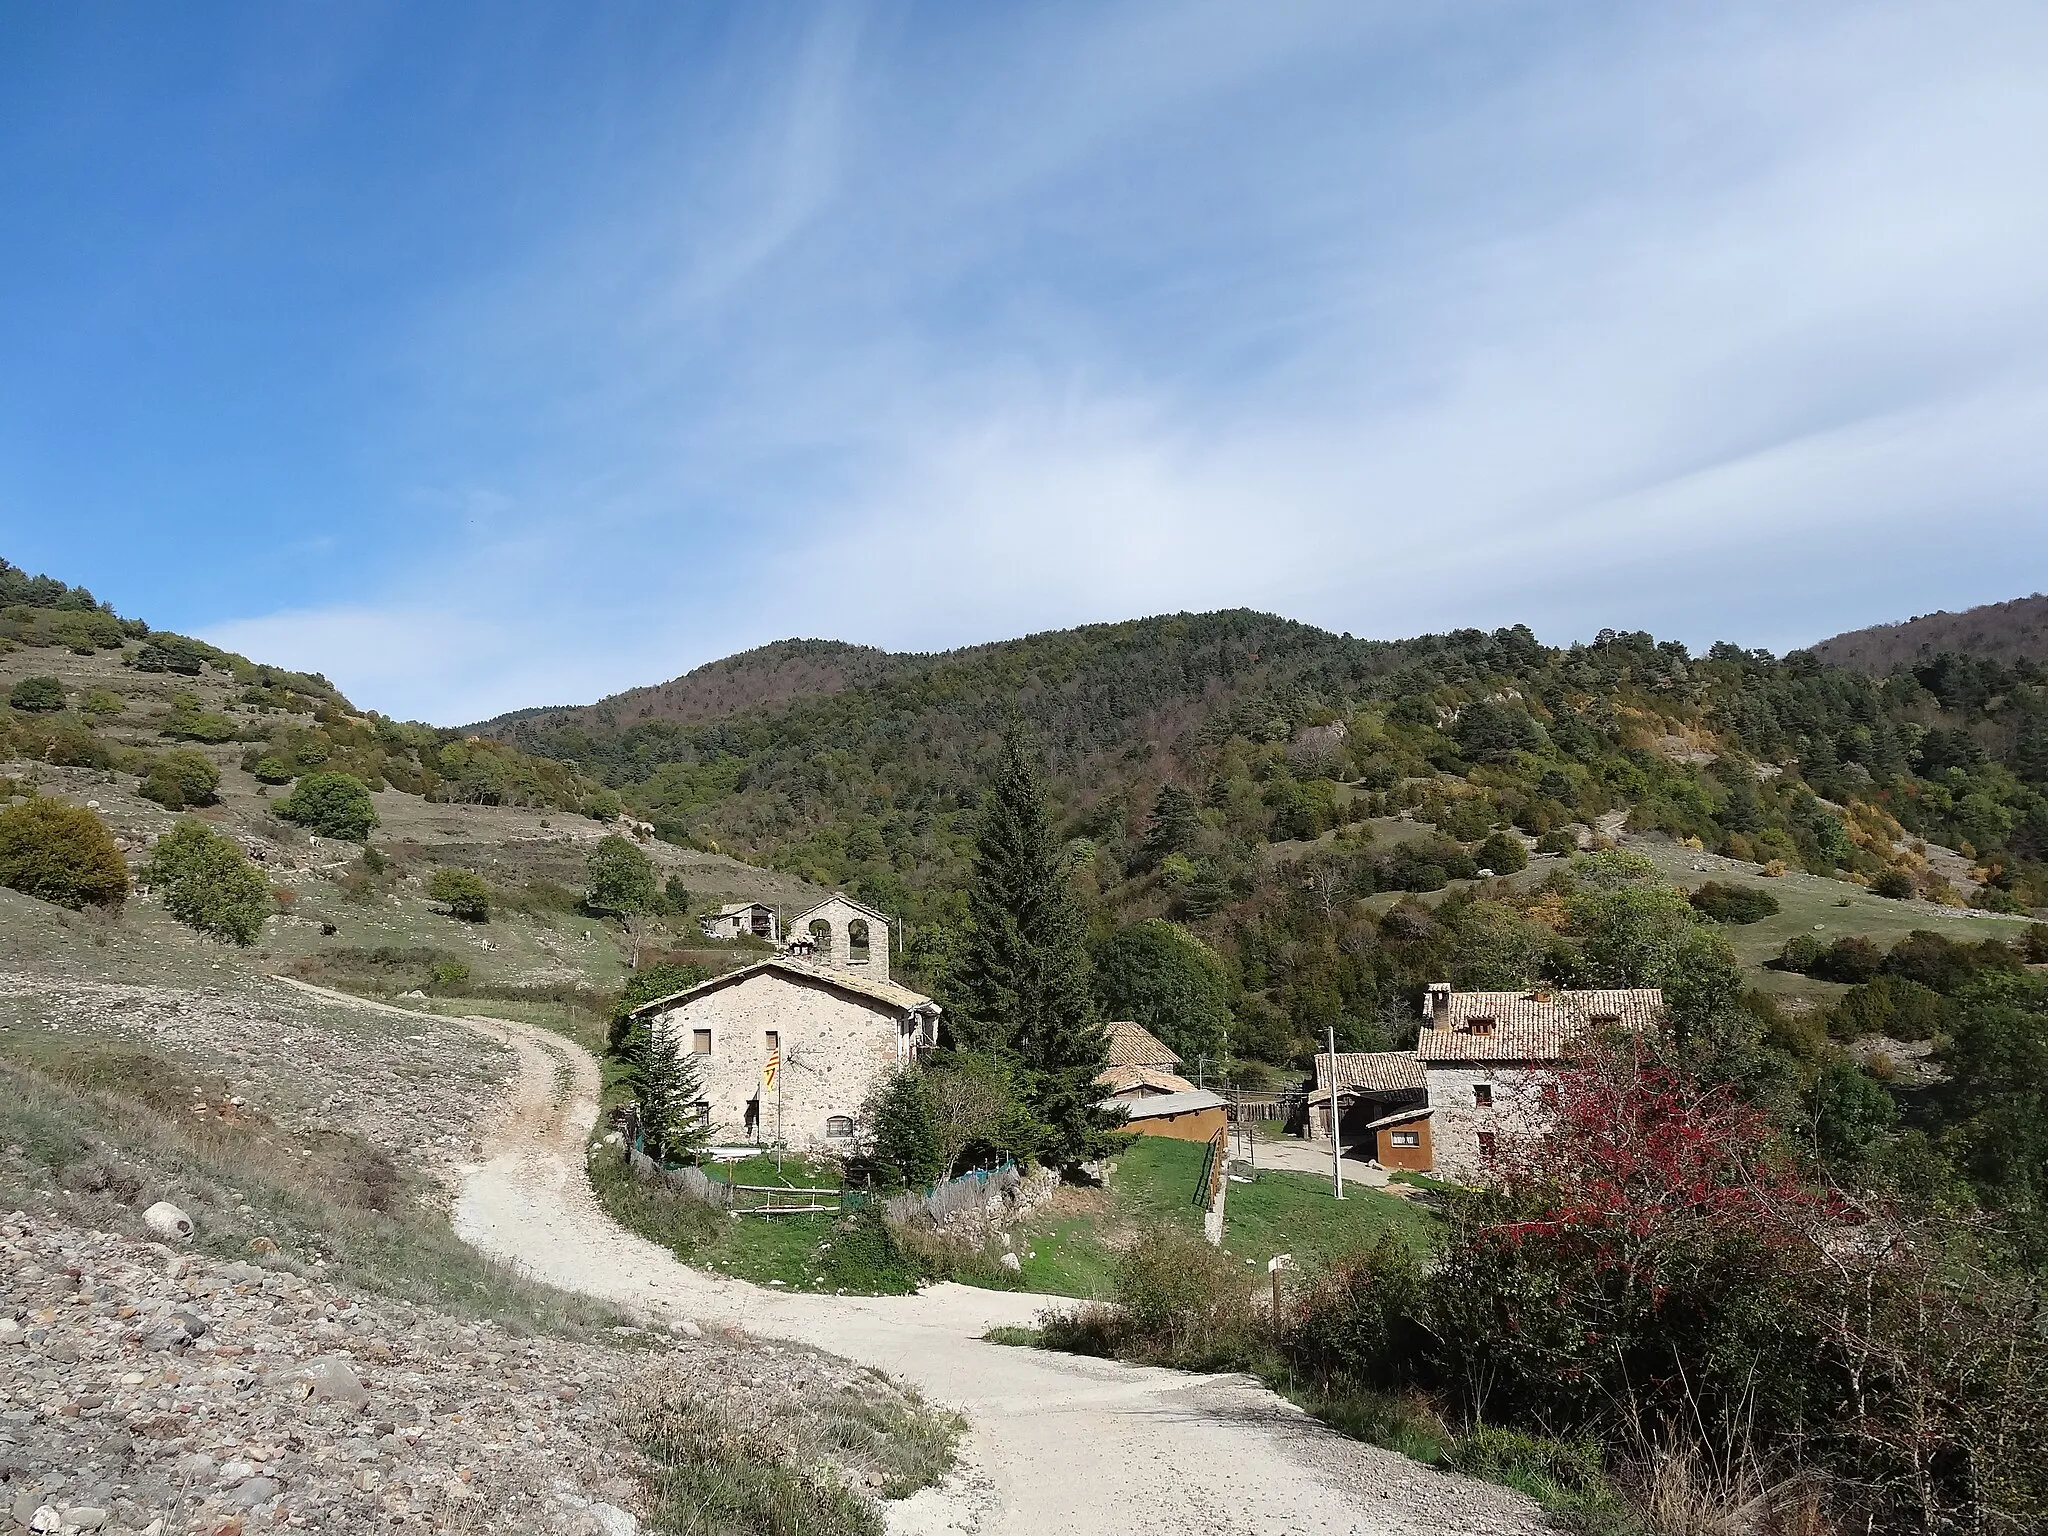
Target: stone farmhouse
{"x": 1475, "y": 1077}
{"x": 737, "y": 919}
{"x": 825, "y": 1008}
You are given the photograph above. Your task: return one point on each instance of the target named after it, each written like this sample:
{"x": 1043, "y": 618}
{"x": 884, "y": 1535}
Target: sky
{"x": 504, "y": 354}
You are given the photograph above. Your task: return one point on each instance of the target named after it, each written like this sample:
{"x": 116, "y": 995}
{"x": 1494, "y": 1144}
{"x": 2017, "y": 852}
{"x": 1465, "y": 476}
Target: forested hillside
{"x": 1211, "y": 767}
{"x": 2004, "y": 632}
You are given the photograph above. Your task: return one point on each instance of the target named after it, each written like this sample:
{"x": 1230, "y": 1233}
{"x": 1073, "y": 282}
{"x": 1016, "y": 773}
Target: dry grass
{"x": 809, "y": 1458}
{"x": 101, "y": 1137}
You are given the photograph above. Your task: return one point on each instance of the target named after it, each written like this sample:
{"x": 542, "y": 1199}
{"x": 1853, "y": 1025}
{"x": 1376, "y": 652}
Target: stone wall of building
{"x": 1456, "y": 1125}
{"x": 835, "y": 1049}
{"x": 838, "y": 915}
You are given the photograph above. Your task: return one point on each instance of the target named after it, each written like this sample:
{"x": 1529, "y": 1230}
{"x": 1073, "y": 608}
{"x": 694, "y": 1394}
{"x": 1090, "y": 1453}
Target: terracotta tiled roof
{"x": 1630, "y": 1007}
{"x": 1370, "y": 1071}
{"x": 1532, "y": 1026}
{"x": 1129, "y": 1079}
{"x": 1133, "y": 1045}
{"x": 845, "y": 981}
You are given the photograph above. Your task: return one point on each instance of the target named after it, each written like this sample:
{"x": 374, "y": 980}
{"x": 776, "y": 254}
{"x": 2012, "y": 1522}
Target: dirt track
{"x": 1056, "y": 1443}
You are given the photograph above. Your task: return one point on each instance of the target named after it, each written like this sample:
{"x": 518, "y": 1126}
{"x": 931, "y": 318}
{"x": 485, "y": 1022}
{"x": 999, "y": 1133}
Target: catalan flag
{"x": 773, "y": 1066}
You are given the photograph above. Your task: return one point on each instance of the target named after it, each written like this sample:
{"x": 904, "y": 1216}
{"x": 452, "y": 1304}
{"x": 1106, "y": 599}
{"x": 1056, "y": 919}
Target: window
{"x": 857, "y": 942}
{"x": 700, "y": 1042}
{"x": 703, "y": 1115}
{"x": 774, "y": 1040}
{"x": 821, "y": 939}
{"x": 1482, "y": 1095}
{"x": 1486, "y": 1147}
{"x": 1406, "y": 1138}
{"x": 1481, "y": 1024}
{"x": 840, "y": 1127}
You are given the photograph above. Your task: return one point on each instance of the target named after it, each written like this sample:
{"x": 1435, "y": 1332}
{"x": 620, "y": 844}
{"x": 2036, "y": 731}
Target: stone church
{"x": 825, "y": 1007}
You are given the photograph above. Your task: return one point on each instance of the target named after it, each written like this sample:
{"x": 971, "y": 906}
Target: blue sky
{"x": 501, "y": 354}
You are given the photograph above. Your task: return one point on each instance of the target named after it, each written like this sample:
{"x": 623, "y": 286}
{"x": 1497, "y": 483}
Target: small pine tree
{"x": 907, "y": 1154}
{"x": 1174, "y": 823}
{"x": 1023, "y": 993}
{"x": 667, "y": 1088}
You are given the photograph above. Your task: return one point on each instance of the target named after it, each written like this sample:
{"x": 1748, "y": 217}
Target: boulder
{"x": 168, "y": 1222}
{"x": 329, "y": 1378}
{"x": 1012, "y": 1263}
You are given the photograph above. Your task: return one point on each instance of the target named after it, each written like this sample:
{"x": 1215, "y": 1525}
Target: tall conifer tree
{"x": 1023, "y": 990}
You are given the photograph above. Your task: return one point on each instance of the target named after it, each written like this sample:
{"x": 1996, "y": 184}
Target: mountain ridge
{"x": 2014, "y": 630}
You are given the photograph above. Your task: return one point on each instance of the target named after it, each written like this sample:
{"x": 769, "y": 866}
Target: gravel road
{"x": 1056, "y": 1443}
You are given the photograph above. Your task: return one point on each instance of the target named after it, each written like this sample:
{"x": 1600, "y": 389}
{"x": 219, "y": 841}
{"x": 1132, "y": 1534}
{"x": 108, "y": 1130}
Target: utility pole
{"x": 1336, "y": 1122}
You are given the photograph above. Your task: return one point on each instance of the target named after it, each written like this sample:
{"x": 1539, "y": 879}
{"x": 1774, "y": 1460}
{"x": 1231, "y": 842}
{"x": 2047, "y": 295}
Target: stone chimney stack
{"x": 1439, "y": 1004}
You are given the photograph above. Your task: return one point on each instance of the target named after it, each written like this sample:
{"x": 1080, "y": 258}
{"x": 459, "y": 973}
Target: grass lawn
{"x": 1071, "y": 1248}
{"x": 1281, "y": 1212}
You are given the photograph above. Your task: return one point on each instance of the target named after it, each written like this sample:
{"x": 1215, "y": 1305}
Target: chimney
{"x": 1439, "y": 1006}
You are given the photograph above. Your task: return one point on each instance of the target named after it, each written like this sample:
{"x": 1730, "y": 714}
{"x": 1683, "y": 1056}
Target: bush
{"x": 1503, "y": 853}
{"x": 1895, "y": 884}
{"x": 180, "y": 779}
{"x": 172, "y": 653}
{"x": 37, "y": 695}
{"x": 271, "y": 770}
{"x": 61, "y": 853}
{"x": 208, "y": 883}
{"x": 1558, "y": 840}
{"x": 1734, "y": 905}
{"x": 199, "y": 725}
{"x": 332, "y": 805}
{"x": 1799, "y": 953}
{"x": 1182, "y": 1302}
{"x": 463, "y": 893}
{"x": 101, "y": 704}
{"x": 1850, "y": 960}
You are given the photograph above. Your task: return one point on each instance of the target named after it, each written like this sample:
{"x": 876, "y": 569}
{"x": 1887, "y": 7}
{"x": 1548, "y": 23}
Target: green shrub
{"x": 271, "y": 770}
{"x": 1799, "y": 954}
{"x": 450, "y": 976}
{"x": 172, "y": 653}
{"x": 208, "y": 883}
{"x": 463, "y": 893}
{"x": 101, "y": 704}
{"x": 181, "y": 779}
{"x": 1734, "y": 904}
{"x": 1894, "y": 884}
{"x": 331, "y": 804}
{"x": 1850, "y": 960}
{"x": 61, "y": 853}
{"x": 1559, "y": 840}
{"x": 199, "y": 725}
{"x": 1501, "y": 852}
{"x": 37, "y": 695}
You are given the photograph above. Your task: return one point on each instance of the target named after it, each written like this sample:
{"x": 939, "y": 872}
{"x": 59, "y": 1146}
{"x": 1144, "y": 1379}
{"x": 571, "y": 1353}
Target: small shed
{"x": 1401, "y": 1140}
{"x": 1197, "y": 1115}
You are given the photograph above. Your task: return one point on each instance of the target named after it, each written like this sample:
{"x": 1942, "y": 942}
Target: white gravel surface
{"x": 1056, "y": 1443}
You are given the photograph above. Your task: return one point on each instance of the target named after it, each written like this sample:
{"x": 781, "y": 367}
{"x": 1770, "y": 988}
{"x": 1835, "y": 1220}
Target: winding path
{"x": 1056, "y": 1443}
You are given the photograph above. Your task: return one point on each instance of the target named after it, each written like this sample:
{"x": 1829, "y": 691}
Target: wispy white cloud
{"x": 1694, "y": 319}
